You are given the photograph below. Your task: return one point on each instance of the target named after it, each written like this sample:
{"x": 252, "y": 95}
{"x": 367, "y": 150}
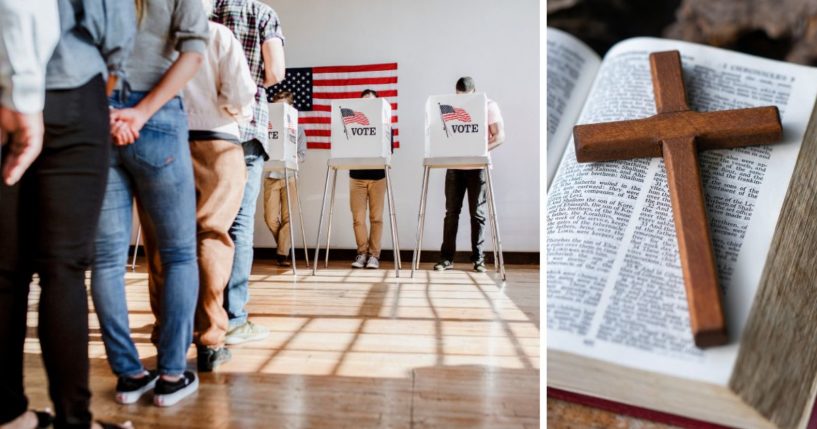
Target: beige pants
{"x": 220, "y": 175}
{"x": 373, "y": 192}
{"x": 276, "y": 211}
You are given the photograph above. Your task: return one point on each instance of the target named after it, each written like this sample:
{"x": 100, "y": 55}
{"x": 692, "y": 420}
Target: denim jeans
{"x": 238, "y": 289}
{"x": 457, "y": 183}
{"x": 158, "y": 171}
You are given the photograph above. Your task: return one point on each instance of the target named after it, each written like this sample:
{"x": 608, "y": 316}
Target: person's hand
{"x": 25, "y": 144}
{"x": 126, "y": 124}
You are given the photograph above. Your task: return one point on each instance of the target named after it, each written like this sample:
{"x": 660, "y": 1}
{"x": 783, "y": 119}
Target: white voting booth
{"x": 283, "y": 156}
{"x": 456, "y": 137}
{"x": 361, "y": 140}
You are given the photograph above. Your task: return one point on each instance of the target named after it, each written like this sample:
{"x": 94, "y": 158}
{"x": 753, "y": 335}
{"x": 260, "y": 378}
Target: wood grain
{"x": 349, "y": 349}
{"x": 677, "y": 133}
{"x": 776, "y": 368}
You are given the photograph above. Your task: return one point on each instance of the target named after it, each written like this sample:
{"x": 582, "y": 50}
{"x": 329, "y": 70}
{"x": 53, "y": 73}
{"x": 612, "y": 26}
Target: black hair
{"x": 367, "y": 92}
{"x": 465, "y": 84}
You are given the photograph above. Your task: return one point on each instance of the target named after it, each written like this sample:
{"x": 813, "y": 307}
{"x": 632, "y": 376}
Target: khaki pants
{"x": 276, "y": 211}
{"x": 220, "y": 174}
{"x": 373, "y": 192}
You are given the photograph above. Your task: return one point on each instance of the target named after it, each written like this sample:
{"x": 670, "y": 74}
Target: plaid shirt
{"x": 253, "y": 23}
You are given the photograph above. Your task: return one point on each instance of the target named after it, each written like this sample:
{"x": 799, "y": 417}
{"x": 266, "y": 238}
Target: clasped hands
{"x": 126, "y": 124}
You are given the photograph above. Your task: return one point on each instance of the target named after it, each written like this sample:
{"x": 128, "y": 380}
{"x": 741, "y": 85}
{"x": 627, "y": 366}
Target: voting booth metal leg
{"x": 291, "y": 221}
{"x": 393, "y": 221}
{"x": 136, "y": 247}
{"x": 421, "y": 217}
{"x": 492, "y": 203}
{"x": 301, "y": 217}
{"x": 320, "y": 223}
{"x": 396, "y": 230}
{"x": 492, "y": 225}
{"x": 331, "y": 215}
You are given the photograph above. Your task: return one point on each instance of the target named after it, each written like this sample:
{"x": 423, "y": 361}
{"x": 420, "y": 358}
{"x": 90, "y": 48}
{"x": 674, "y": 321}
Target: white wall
{"x": 434, "y": 43}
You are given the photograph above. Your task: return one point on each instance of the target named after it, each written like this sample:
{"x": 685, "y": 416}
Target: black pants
{"x": 457, "y": 182}
{"x": 47, "y": 225}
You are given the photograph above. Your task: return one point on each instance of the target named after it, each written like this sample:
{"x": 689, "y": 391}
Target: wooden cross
{"x": 678, "y": 133}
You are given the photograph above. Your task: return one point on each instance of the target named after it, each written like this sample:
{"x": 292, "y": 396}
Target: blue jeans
{"x": 237, "y": 292}
{"x": 157, "y": 170}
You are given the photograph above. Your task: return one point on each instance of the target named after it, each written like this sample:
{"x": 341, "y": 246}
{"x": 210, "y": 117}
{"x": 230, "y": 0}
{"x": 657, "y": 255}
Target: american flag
{"x": 315, "y": 88}
{"x": 451, "y": 113}
{"x": 352, "y": 117}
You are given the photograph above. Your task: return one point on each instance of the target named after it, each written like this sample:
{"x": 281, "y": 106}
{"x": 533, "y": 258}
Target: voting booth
{"x": 456, "y": 137}
{"x": 283, "y": 157}
{"x": 283, "y": 136}
{"x": 456, "y": 126}
{"x": 361, "y": 128}
{"x": 360, "y": 140}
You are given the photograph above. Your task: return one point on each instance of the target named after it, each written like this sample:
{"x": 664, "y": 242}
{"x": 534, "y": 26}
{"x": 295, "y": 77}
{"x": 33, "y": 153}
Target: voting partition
{"x": 360, "y": 140}
{"x": 283, "y": 136}
{"x": 283, "y": 156}
{"x": 456, "y": 126}
{"x": 456, "y": 137}
{"x": 361, "y": 128}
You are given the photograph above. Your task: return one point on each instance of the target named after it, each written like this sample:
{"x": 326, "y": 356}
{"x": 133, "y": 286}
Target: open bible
{"x": 618, "y": 326}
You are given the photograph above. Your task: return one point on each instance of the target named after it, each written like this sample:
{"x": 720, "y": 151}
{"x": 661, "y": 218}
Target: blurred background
{"x": 777, "y": 29}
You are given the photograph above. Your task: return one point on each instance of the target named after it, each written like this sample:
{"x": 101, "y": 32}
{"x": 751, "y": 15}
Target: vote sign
{"x": 361, "y": 128}
{"x": 283, "y": 134}
{"x": 456, "y": 125}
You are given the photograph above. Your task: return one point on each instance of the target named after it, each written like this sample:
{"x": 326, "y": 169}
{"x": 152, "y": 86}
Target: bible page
{"x": 571, "y": 68}
{"x": 615, "y": 290}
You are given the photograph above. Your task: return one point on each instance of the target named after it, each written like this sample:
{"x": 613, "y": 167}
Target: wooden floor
{"x": 350, "y": 349}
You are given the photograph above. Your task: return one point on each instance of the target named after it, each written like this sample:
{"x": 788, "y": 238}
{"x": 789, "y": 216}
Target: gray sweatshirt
{"x": 167, "y": 28}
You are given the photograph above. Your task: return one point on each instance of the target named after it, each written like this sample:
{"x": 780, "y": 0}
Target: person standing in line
{"x": 48, "y": 219}
{"x": 458, "y": 182}
{"x": 151, "y": 161}
{"x": 257, "y": 26}
{"x": 217, "y": 100}
{"x": 276, "y": 207}
{"x": 367, "y": 190}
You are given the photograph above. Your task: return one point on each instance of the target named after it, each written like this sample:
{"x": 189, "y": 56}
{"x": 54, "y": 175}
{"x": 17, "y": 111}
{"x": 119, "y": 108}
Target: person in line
{"x": 48, "y": 218}
{"x": 276, "y": 207}
{"x": 151, "y": 161}
{"x": 217, "y": 99}
{"x": 458, "y": 182}
{"x": 257, "y": 26}
{"x": 367, "y": 189}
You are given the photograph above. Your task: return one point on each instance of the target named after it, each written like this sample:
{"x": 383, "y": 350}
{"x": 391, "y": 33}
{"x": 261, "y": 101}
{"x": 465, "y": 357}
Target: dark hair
{"x": 368, "y": 92}
{"x": 284, "y": 94}
{"x": 465, "y": 84}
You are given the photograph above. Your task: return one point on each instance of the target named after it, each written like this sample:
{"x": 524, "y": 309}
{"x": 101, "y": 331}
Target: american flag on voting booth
{"x": 314, "y": 89}
{"x": 352, "y": 117}
{"x": 451, "y": 113}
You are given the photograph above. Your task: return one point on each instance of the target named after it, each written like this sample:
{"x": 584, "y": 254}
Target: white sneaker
{"x": 360, "y": 261}
{"x": 373, "y": 263}
{"x": 247, "y": 332}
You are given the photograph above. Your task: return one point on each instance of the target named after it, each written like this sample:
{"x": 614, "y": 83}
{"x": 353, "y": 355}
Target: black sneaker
{"x": 169, "y": 393}
{"x": 479, "y": 266}
{"x": 209, "y": 358}
{"x": 444, "y": 265}
{"x": 282, "y": 261}
{"x": 129, "y": 390}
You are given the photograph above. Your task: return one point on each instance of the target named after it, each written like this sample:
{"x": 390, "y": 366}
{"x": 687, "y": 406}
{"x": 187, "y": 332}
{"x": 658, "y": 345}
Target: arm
{"x": 274, "y": 65}
{"x": 168, "y": 87}
{"x": 272, "y": 46}
{"x": 28, "y": 34}
{"x": 496, "y": 133}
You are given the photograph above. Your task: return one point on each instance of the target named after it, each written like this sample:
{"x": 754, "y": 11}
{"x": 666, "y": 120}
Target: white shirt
{"x": 222, "y": 93}
{"x": 29, "y": 31}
